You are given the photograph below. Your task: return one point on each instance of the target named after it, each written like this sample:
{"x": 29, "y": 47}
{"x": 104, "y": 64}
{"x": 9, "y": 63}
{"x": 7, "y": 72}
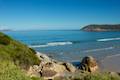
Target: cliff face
{"x": 101, "y": 28}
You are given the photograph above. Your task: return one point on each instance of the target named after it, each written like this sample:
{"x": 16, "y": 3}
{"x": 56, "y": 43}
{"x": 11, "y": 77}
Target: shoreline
{"x": 50, "y": 68}
{"x": 108, "y": 64}
{"x": 111, "y": 63}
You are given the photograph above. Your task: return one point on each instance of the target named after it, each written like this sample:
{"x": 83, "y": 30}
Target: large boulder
{"x": 49, "y": 68}
{"x": 89, "y": 64}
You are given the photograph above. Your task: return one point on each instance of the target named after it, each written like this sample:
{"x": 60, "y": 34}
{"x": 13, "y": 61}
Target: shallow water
{"x": 70, "y": 45}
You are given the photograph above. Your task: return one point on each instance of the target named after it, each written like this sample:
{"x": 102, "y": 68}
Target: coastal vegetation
{"x": 9, "y": 71}
{"x": 90, "y": 76}
{"x": 96, "y": 27}
{"x": 16, "y": 52}
{"x": 16, "y": 59}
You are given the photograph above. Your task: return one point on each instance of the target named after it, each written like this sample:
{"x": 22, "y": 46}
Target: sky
{"x": 57, "y": 14}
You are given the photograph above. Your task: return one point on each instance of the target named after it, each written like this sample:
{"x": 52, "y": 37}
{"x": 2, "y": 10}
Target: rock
{"x": 54, "y": 69}
{"x": 89, "y": 64}
{"x": 50, "y": 68}
{"x": 34, "y": 71}
{"x": 53, "y": 66}
{"x": 48, "y": 73}
{"x": 43, "y": 57}
{"x": 69, "y": 67}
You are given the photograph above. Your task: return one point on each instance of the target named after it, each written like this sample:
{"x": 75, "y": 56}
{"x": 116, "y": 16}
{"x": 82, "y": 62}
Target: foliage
{"x": 9, "y": 71}
{"x": 102, "y": 76}
{"x": 17, "y": 52}
{"x": 36, "y": 78}
{"x": 4, "y": 39}
{"x": 89, "y": 76}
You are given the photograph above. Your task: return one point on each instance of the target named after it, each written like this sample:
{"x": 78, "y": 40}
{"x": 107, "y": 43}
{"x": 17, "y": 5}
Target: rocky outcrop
{"x": 49, "y": 68}
{"x": 89, "y": 64}
{"x": 99, "y": 28}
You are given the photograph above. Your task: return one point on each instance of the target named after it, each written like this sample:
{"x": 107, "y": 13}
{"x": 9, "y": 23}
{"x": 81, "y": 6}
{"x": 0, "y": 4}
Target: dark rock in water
{"x": 76, "y": 64}
{"x": 98, "y": 28}
{"x": 89, "y": 64}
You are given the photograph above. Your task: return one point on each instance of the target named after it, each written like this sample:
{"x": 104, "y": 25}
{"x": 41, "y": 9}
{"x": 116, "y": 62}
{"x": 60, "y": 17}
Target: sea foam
{"x": 99, "y": 49}
{"x": 108, "y": 39}
{"x": 52, "y": 44}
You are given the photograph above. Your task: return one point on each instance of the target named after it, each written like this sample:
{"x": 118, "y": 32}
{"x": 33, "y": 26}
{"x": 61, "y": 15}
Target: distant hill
{"x": 5, "y": 30}
{"x": 98, "y": 28}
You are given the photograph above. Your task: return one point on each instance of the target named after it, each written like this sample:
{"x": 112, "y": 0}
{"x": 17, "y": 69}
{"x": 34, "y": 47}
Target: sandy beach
{"x": 111, "y": 63}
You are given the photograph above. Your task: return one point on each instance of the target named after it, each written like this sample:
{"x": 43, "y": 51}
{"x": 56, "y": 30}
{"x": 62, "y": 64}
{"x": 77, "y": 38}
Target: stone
{"x": 69, "y": 67}
{"x": 34, "y": 71}
{"x": 48, "y": 73}
{"x": 50, "y": 68}
{"x": 89, "y": 64}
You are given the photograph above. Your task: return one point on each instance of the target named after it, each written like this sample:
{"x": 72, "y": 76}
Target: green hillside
{"x": 15, "y": 59}
{"x": 16, "y": 52}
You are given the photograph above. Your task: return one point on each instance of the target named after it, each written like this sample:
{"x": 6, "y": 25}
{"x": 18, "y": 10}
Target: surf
{"x": 108, "y": 39}
{"x": 52, "y": 44}
{"x": 99, "y": 49}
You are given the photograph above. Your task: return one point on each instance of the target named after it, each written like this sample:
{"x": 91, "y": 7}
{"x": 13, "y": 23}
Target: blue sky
{"x": 57, "y": 14}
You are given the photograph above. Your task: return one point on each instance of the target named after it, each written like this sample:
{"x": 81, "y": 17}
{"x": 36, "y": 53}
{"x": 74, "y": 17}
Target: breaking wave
{"x": 52, "y": 44}
{"x": 108, "y": 39}
{"x": 99, "y": 49}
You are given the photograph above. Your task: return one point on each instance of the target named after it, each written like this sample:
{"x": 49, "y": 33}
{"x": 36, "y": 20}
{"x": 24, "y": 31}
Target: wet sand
{"x": 111, "y": 63}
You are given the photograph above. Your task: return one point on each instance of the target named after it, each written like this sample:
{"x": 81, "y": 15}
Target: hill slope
{"x": 95, "y": 27}
{"x": 16, "y": 52}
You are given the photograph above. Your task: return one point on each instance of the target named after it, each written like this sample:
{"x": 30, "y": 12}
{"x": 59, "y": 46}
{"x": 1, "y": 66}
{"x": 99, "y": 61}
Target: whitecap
{"x": 52, "y": 44}
{"x": 108, "y": 39}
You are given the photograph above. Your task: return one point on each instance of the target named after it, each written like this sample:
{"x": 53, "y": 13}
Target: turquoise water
{"x": 70, "y": 45}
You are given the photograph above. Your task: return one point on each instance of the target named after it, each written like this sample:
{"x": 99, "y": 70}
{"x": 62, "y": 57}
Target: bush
{"x": 14, "y": 57}
{"x": 102, "y": 76}
{"x": 36, "y": 78}
{"x": 5, "y": 40}
{"x": 17, "y": 52}
{"x": 8, "y": 71}
{"x": 89, "y": 76}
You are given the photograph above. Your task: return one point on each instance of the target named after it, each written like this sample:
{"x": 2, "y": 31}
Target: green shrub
{"x": 36, "y": 78}
{"x": 90, "y": 76}
{"x": 9, "y": 71}
{"x": 5, "y": 40}
{"x": 17, "y": 52}
{"x": 14, "y": 54}
{"x": 101, "y": 76}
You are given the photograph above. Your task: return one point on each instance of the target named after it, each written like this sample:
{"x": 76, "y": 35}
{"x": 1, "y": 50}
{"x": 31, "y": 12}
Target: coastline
{"x": 108, "y": 64}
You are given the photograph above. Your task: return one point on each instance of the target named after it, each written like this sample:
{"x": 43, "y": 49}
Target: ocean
{"x": 70, "y": 45}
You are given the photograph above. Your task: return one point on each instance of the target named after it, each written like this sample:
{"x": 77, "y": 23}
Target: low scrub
{"x": 4, "y": 39}
{"x": 90, "y": 76}
{"x": 9, "y": 71}
{"x": 17, "y": 52}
